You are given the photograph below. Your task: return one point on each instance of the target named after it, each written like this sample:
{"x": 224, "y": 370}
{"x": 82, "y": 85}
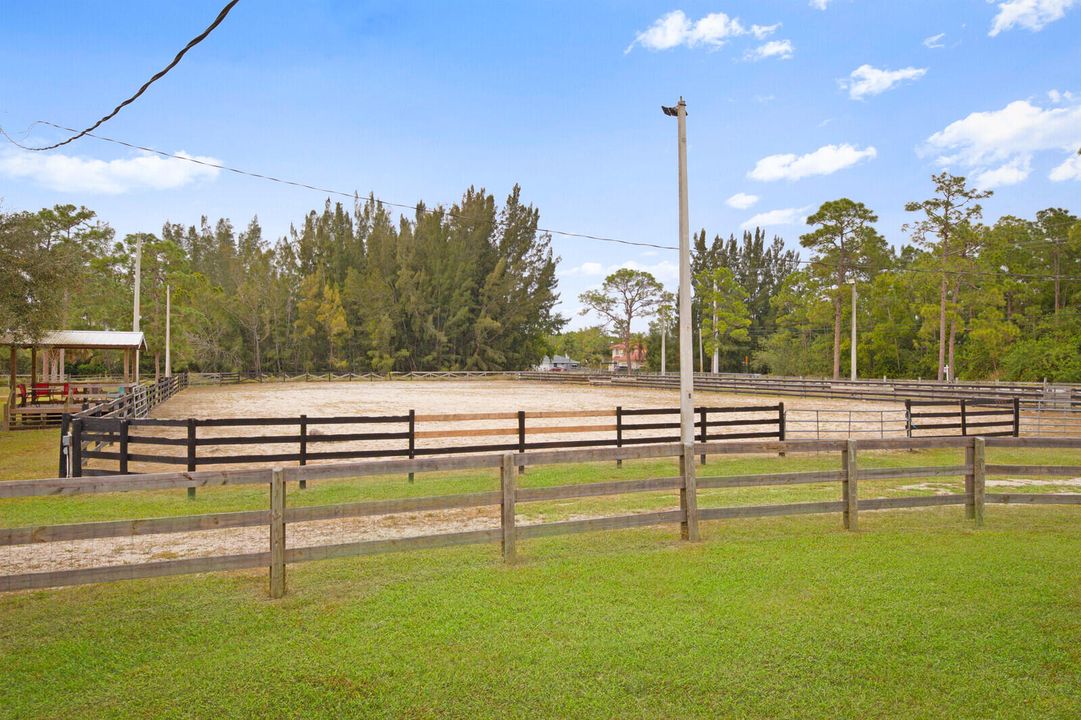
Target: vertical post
{"x": 65, "y": 444}
{"x": 412, "y": 438}
{"x": 686, "y": 369}
{"x": 303, "y": 446}
{"x": 619, "y": 431}
{"x": 521, "y": 438}
{"x": 908, "y": 418}
{"x": 191, "y": 453}
{"x": 1017, "y": 417}
{"x": 782, "y": 426}
{"x": 964, "y": 418}
{"x": 124, "y": 446}
{"x": 850, "y": 487}
{"x": 852, "y": 362}
{"x": 168, "y": 331}
{"x": 970, "y": 480}
{"x": 77, "y": 448}
{"x": 277, "y": 533}
{"x": 703, "y": 436}
{"x": 979, "y": 477}
{"x": 688, "y": 495}
{"x": 508, "y": 485}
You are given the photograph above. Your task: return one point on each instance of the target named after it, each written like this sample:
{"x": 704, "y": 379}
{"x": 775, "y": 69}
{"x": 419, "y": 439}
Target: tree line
{"x": 471, "y": 286}
{"x": 958, "y": 299}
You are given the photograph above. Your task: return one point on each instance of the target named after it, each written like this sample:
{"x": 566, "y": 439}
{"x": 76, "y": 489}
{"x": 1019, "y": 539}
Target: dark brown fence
{"x": 945, "y": 418}
{"x": 278, "y": 515}
{"x": 109, "y": 445}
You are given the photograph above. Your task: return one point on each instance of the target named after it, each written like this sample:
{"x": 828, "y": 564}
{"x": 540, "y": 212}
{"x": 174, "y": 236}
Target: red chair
{"x": 21, "y": 388}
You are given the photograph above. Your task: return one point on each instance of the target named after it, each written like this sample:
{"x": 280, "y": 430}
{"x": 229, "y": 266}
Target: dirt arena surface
{"x": 443, "y": 396}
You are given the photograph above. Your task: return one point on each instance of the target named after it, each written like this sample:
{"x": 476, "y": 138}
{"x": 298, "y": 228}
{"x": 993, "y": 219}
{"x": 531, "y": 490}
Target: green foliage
{"x": 469, "y": 287}
{"x": 625, "y": 295}
{"x": 725, "y": 317}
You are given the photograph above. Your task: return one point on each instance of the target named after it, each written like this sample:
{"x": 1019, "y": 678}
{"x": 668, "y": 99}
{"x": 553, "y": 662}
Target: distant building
{"x": 558, "y": 363}
{"x": 620, "y": 359}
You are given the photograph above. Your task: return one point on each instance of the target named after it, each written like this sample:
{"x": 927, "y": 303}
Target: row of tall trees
{"x": 959, "y": 299}
{"x": 962, "y": 299}
{"x": 471, "y": 286}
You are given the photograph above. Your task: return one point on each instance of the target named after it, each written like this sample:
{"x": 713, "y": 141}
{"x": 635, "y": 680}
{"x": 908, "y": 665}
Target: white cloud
{"x": 1058, "y": 97}
{"x": 761, "y": 32}
{"x": 741, "y": 201}
{"x": 825, "y": 160}
{"x": 714, "y": 30}
{"x": 1011, "y": 173}
{"x": 1032, "y": 15}
{"x": 71, "y": 173}
{"x": 820, "y": 4}
{"x": 1069, "y": 170}
{"x": 1000, "y": 144}
{"x": 867, "y": 80}
{"x": 935, "y": 41}
{"x": 781, "y": 49}
{"x": 586, "y": 269}
{"x": 786, "y": 216}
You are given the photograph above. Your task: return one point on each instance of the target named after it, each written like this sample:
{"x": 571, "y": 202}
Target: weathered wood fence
{"x": 986, "y": 417}
{"x": 116, "y": 442}
{"x": 278, "y": 515}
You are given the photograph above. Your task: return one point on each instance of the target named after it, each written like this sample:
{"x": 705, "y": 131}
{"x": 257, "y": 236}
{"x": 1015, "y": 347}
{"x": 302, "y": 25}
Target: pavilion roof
{"x": 82, "y": 340}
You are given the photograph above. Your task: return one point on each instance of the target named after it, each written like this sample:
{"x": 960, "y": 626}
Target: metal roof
{"x": 83, "y": 340}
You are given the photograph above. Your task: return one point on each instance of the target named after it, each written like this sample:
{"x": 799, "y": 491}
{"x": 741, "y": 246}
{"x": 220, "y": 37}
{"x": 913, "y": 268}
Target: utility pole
{"x": 135, "y": 314}
{"x": 168, "y": 331}
{"x": 853, "y": 361}
{"x": 686, "y": 368}
{"x": 664, "y": 351}
{"x": 138, "y": 281}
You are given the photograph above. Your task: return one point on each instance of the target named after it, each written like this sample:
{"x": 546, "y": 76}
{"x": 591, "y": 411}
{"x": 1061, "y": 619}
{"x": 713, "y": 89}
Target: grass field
{"x": 918, "y": 615}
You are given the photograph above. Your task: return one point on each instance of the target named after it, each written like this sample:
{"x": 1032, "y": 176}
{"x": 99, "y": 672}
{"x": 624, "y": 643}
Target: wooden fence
{"x": 382, "y": 436}
{"x": 1029, "y": 394}
{"x": 277, "y": 516}
{"x": 989, "y": 418}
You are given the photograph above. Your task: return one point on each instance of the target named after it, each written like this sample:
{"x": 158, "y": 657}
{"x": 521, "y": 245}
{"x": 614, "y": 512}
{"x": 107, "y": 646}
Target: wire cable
{"x": 158, "y": 76}
{"x": 329, "y": 191}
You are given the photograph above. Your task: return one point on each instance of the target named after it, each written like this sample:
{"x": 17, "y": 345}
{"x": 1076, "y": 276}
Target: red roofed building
{"x": 620, "y": 359}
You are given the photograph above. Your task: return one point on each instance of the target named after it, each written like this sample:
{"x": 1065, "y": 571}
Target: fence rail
{"x": 116, "y": 442}
{"x": 278, "y": 516}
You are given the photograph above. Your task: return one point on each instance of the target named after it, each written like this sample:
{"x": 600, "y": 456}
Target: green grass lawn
{"x": 919, "y": 614}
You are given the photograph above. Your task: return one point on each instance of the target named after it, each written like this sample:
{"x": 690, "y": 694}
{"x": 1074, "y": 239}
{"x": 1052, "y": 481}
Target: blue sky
{"x": 791, "y": 103}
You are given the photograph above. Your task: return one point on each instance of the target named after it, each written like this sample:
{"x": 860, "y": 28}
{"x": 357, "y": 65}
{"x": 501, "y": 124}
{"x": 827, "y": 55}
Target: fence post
{"x": 508, "y": 483}
{"x": 782, "y": 429}
{"x": 702, "y": 416}
{"x": 65, "y": 426}
{"x": 521, "y": 438}
{"x": 1017, "y": 417}
{"x": 124, "y": 446}
{"x": 970, "y": 479}
{"x": 964, "y": 419}
{"x": 688, "y": 495}
{"x": 619, "y": 431}
{"x": 77, "y": 448}
{"x": 303, "y": 446}
{"x": 412, "y": 438}
{"x": 908, "y": 418}
{"x": 191, "y": 453}
{"x": 979, "y": 478}
{"x": 277, "y": 533}
{"x": 850, "y": 487}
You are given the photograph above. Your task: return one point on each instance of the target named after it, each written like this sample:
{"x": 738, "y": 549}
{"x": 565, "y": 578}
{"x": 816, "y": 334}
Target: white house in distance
{"x": 558, "y": 363}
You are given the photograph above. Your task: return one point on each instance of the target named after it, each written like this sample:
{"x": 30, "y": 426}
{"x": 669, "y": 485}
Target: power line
{"x": 329, "y": 191}
{"x": 158, "y": 76}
